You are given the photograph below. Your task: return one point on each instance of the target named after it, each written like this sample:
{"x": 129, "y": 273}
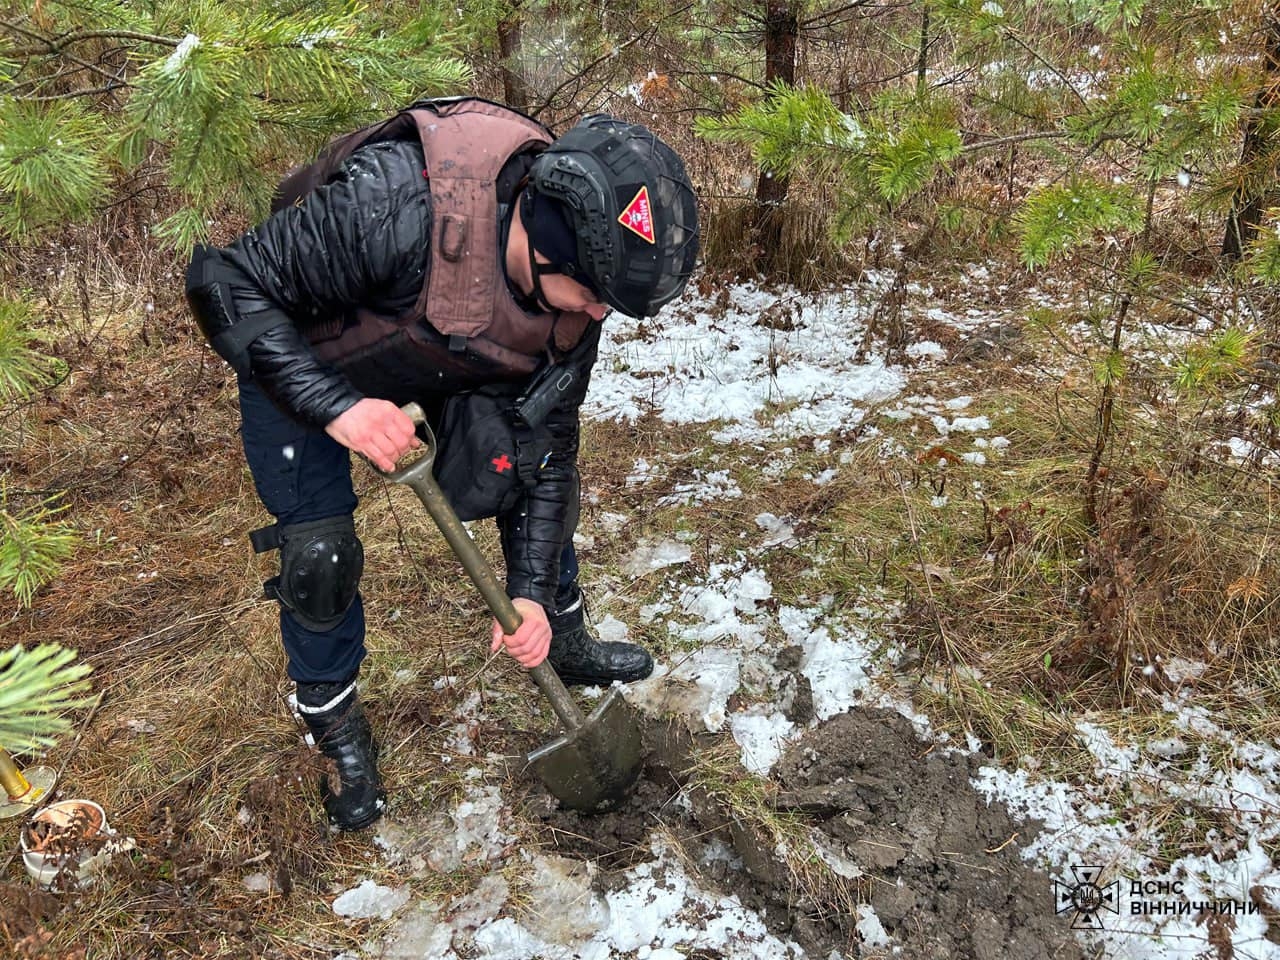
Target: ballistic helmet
{"x": 631, "y": 207}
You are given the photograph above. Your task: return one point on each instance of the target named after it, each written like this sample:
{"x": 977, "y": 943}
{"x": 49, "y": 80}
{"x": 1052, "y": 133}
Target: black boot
{"x": 335, "y": 717}
{"x": 579, "y": 658}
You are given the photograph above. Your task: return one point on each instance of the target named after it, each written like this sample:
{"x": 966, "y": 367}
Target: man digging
{"x": 454, "y": 248}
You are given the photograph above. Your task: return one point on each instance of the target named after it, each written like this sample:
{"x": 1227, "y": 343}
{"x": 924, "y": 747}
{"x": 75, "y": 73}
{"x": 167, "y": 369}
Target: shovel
{"x": 593, "y": 764}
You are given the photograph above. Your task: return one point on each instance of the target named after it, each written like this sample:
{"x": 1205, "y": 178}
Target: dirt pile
{"x": 896, "y": 816}
{"x": 948, "y": 880}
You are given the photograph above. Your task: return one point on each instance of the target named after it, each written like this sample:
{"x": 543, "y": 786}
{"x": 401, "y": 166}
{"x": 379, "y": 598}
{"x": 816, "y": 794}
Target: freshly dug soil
{"x": 940, "y": 867}
{"x": 949, "y": 881}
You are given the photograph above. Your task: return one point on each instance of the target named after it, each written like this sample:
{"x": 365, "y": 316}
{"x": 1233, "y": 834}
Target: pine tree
{"x": 32, "y": 540}
{"x": 220, "y": 95}
{"x": 1114, "y": 103}
{"x": 873, "y": 160}
{"x": 1154, "y": 90}
{"x": 212, "y": 99}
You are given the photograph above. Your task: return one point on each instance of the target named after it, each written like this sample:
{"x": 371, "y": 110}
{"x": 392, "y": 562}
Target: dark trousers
{"x": 303, "y": 474}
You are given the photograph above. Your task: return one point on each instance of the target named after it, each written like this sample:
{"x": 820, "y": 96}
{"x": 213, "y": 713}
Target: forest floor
{"x": 882, "y": 723}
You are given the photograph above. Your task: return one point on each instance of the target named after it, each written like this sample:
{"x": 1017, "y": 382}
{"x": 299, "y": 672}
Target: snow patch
{"x": 177, "y": 60}
{"x": 370, "y": 900}
{"x": 648, "y": 557}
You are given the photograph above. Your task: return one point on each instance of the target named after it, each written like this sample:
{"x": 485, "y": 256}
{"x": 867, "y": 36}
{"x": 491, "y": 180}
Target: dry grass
{"x": 193, "y": 751}
{"x": 191, "y": 747}
{"x": 789, "y": 244}
{"x": 1022, "y": 617}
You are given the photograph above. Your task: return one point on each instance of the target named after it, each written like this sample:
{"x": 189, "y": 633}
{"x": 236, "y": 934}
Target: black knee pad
{"x": 320, "y": 566}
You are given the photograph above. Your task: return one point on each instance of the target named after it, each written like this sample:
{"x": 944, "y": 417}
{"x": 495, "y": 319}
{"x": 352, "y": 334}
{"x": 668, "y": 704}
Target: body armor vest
{"x": 466, "y": 142}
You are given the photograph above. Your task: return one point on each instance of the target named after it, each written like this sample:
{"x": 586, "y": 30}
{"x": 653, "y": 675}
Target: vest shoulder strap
{"x": 466, "y": 143}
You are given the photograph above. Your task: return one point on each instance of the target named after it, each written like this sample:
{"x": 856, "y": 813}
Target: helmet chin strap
{"x": 536, "y": 271}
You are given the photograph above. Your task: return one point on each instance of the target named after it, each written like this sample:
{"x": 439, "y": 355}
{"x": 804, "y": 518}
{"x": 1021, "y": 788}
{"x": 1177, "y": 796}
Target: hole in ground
{"x": 894, "y": 821}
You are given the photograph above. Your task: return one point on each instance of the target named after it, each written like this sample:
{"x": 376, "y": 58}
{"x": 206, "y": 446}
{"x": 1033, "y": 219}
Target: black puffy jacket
{"x": 364, "y": 241}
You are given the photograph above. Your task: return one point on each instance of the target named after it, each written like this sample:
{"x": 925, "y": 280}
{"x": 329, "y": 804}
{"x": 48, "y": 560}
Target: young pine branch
{"x": 38, "y": 687}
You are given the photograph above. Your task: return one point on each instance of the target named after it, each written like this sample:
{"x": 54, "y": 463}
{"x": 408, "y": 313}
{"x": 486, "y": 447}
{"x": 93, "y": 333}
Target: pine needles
{"x": 38, "y": 687}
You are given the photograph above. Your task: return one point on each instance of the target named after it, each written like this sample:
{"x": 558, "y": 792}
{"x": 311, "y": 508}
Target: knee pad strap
{"x": 320, "y": 566}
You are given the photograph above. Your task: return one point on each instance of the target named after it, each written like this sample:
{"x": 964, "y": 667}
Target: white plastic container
{"x": 79, "y": 857}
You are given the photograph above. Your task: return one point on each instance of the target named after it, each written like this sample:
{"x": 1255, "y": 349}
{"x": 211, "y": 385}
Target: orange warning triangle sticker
{"x": 638, "y": 218}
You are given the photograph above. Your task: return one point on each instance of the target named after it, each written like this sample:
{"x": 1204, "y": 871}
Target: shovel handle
{"x": 419, "y": 478}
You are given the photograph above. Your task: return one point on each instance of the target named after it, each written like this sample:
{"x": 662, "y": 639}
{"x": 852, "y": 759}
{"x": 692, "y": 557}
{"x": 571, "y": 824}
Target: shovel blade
{"x": 592, "y": 769}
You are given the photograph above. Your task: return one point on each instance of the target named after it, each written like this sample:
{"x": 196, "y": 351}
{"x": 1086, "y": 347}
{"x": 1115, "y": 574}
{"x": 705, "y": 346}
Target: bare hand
{"x": 378, "y": 429}
{"x": 532, "y": 639}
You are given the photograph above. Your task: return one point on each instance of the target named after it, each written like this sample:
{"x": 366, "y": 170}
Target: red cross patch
{"x": 638, "y": 217}
{"x": 502, "y": 464}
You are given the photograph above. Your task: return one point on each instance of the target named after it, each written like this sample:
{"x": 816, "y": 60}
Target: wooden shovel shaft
{"x": 419, "y": 478}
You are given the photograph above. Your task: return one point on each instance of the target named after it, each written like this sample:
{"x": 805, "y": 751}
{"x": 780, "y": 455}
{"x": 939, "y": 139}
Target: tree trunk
{"x": 922, "y": 63}
{"x": 514, "y": 89}
{"x": 781, "y": 28}
{"x": 1248, "y": 203}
